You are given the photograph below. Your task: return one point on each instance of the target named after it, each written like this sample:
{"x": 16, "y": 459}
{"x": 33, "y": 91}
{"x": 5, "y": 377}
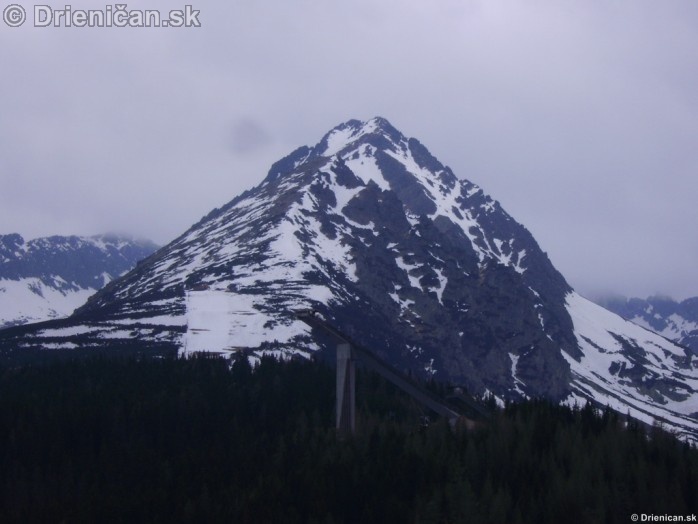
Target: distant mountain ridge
{"x": 677, "y": 321}
{"x": 50, "y": 277}
{"x": 385, "y": 242}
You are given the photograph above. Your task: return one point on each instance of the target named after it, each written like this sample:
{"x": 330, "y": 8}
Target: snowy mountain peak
{"x": 373, "y": 232}
{"x": 377, "y": 130}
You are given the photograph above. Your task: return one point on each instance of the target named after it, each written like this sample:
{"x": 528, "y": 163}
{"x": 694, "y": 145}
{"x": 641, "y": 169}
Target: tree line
{"x": 199, "y": 440}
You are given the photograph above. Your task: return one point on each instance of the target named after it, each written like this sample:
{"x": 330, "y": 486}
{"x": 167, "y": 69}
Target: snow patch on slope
{"x": 30, "y": 300}
{"x": 225, "y": 322}
{"x": 676, "y": 326}
{"x": 407, "y": 268}
{"x": 517, "y": 381}
{"x": 601, "y": 335}
{"x": 364, "y": 166}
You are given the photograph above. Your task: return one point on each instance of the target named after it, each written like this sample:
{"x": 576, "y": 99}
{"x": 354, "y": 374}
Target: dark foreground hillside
{"x": 194, "y": 441}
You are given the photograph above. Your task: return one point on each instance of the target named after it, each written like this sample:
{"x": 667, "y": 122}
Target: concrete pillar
{"x": 346, "y": 405}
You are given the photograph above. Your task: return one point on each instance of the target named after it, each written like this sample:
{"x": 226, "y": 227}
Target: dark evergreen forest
{"x": 173, "y": 440}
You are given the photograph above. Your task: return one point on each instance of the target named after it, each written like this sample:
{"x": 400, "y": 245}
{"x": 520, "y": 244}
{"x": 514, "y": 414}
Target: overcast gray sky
{"x": 580, "y": 117}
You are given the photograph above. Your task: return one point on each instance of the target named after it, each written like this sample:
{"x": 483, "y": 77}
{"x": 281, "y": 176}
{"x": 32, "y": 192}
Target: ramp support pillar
{"x": 346, "y": 390}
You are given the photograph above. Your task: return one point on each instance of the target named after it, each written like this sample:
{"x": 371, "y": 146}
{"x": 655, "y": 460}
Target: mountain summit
{"x": 373, "y": 232}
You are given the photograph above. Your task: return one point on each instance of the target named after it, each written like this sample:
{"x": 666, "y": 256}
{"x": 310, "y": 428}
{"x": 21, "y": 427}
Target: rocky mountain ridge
{"x": 50, "y": 277}
{"x": 677, "y": 321}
